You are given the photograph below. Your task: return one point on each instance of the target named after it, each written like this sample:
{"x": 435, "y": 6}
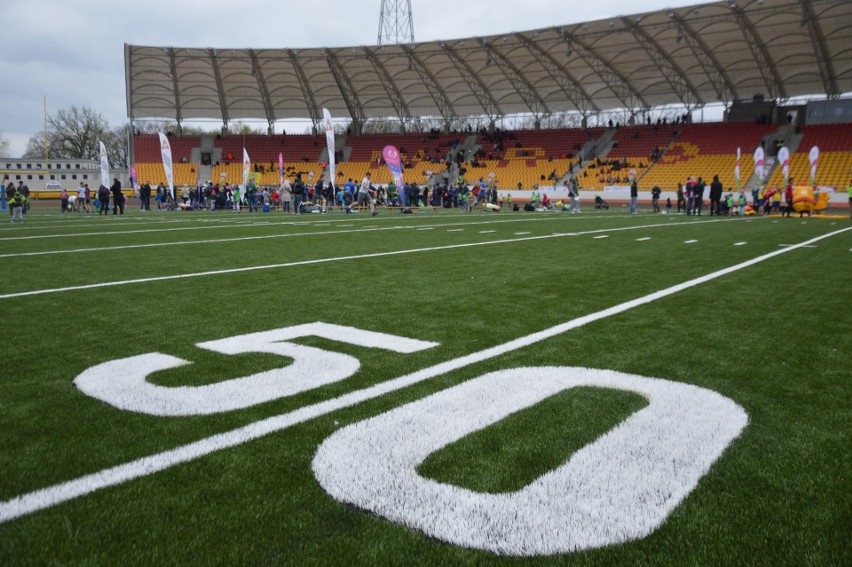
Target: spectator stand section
{"x": 524, "y": 159}
{"x": 834, "y": 168}
{"x": 705, "y": 150}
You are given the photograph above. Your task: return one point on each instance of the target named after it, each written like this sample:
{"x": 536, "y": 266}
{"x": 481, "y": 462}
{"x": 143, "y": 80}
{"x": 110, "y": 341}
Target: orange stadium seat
{"x": 834, "y": 168}
{"x": 705, "y": 150}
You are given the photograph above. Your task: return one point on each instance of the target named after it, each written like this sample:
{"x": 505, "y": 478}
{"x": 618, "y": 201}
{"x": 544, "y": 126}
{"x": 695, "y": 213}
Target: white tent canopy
{"x": 692, "y": 56}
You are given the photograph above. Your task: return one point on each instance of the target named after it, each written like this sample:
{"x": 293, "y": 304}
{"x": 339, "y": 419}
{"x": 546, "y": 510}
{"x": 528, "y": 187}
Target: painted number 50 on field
{"x": 619, "y": 488}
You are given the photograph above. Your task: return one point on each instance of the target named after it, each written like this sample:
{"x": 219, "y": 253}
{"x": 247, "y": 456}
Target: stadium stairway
{"x": 599, "y": 147}
{"x": 205, "y": 172}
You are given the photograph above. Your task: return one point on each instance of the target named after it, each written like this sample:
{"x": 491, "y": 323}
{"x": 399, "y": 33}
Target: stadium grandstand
{"x": 634, "y": 87}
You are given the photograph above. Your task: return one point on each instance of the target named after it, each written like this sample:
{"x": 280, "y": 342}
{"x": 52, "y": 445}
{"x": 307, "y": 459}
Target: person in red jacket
{"x": 788, "y": 197}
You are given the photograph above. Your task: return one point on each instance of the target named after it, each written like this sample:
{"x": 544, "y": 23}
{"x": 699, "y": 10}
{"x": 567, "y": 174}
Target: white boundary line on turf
{"x": 289, "y": 221}
{"x": 56, "y": 494}
{"x": 260, "y": 237}
{"x": 341, "y": 258}
{"x": 126, "y": 247}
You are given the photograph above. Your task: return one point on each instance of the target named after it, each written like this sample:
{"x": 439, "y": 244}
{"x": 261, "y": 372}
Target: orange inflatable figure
{"x": 804, "y": 200}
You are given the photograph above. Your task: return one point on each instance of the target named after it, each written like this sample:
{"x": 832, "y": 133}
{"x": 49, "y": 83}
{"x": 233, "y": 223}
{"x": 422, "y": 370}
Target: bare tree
{"x": 78, "y": 132}
{"x": 35, "y": 146}
{"x": 245, "y": 129}
{"x": 117, "y": 148}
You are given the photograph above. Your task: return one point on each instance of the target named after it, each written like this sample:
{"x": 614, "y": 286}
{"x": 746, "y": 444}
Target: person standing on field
{"x": 117, "y": 197}
{"x": 634, "y": 195}
{"x": 849, "y": 191}
{"x": 364, "y": 197}
{"x": 103, "y": 199}
{"x": 716, "y": 191}
{"x": 17, "y": 207}
{"x": 698, "y": 197}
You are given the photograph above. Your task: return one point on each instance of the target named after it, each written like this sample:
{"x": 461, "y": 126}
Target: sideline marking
{"x": 144, "y": 466}
{"x": 333, "y": 259}
{"x": 243, "y": 238}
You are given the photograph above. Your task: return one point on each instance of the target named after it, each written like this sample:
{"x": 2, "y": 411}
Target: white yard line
{"x": 643, "y": 239}
{"x": 690, "y": 241}
{"x": 603, "y": 236}
{"x": 316, "y": 261}
{"x": 238, "y": 239}
{"x": 56, "y": 494}
{"x": 114, "y": 232}
{"x": 232, "y": 223}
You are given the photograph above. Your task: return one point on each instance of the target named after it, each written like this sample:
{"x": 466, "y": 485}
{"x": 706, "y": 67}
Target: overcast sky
{"x": 72, "y": 51}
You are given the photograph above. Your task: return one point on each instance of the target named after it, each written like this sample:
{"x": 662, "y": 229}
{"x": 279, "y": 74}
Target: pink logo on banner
{"x": 394, "y": 161}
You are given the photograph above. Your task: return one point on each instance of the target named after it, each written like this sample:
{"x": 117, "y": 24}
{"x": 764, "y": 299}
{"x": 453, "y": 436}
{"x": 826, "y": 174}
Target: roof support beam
{"x": 823, "y": 58}
{"x": 615, "y": 81}
{"x": 394, "y": 95}
{"x": 305, "y": 87}
{"x": 675, "y": 76}
{"x": 765, "y": 64}
{"x": 442, "y": 101}
{"x": 173, "y": 71}
{"x": 220, "y": 88}
{"x": 526, "y": 90}
{"x": 350, "y": 95}
{"x": 571, "y": 88}
{"x": 722, "y": 84}
{"x": 257, "y": 71}
{"x": 480, "y": 91}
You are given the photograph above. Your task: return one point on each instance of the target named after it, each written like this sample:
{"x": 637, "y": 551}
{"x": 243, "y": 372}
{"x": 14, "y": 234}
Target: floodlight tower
{"x": 395, "y": 23}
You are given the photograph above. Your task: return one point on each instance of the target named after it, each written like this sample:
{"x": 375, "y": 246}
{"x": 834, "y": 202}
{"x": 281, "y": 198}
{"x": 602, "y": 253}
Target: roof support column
{"x": 676, "y": 78}
{"x": 765, "y": 64}
{"x": 350, "y": 95}
{"x": 173, "y": 71}
{"x": 615, "y": 81}
{"x": 442, "y": 101}
{"x": 305, "y": 87}
{"x": 223, "y": 105}
{"x": 394, "y": 95}
{"x": 821, "y": 54}
{"x": 525, "y": 89}
{"x": 257, "y": 71}
{"x": 571, "y": 88}
{"x": 722, "y": 84}
{"x": 480, "y": 91}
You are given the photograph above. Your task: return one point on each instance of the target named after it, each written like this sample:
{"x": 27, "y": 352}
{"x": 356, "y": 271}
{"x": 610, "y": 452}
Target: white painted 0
{"x": 619, "y": 488}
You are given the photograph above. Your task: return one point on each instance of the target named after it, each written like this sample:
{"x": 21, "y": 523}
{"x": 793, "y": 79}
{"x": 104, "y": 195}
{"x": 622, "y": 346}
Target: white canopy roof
{"x": 692, "y": 56}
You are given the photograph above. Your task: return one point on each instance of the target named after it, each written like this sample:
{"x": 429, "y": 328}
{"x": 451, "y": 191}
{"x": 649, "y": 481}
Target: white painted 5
{"x": 619, "y": 488}
{"x": 123, "y": 383}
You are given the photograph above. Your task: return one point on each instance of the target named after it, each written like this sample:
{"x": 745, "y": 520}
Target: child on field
{"x": 17, "y": 206}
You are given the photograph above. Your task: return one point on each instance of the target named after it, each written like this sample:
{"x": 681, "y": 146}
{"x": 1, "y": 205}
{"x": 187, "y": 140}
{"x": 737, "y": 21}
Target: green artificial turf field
{"x": 80, "y": 291}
